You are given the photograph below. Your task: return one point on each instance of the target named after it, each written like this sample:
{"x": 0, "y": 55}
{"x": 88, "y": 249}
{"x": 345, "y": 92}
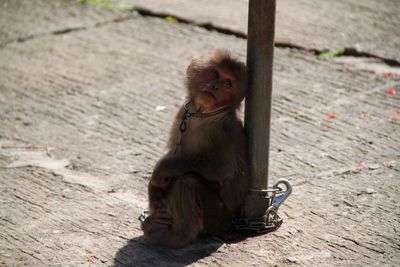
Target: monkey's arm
{"x": 217, "y": 162}
{"x": 178, "y": 165}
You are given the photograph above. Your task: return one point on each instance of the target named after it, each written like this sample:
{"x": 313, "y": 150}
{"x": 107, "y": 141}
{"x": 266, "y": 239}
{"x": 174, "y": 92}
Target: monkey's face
{"x": 215, "y": 88}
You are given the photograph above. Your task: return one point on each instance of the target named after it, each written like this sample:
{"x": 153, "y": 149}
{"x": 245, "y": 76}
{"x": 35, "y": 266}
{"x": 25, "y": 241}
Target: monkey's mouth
{"x": 209, "y": 94}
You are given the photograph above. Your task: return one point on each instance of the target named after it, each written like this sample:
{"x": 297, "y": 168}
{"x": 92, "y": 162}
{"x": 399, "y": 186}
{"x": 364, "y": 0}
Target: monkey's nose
{"x": 214, "y": 86}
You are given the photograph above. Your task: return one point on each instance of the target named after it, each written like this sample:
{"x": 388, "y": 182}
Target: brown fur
{"x": 208, "y": 173}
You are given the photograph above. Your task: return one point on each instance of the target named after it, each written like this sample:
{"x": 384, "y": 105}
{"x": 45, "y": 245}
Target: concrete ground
{"x": 86, "y": 101}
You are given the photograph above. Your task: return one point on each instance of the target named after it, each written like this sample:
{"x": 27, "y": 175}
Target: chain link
{"x": 270, "y": 221}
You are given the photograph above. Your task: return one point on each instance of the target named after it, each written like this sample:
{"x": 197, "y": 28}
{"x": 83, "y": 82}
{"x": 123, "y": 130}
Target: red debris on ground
{"x": 360, "y": 165}
{"x": 331, "y": 116}
{"x": 391, "y": 91}
{"x": 388, "y": 74}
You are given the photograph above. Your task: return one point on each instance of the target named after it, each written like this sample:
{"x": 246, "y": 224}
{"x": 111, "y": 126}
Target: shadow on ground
{"x": 137, "y": 252}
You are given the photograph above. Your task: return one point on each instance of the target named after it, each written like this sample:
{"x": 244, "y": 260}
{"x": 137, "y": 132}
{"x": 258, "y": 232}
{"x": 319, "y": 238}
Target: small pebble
{"x": 373, "y": 166}
{"x": 160, "y": 108}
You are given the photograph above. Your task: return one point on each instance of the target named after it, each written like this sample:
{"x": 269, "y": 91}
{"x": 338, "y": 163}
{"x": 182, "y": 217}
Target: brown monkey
{"x": 201, "y": 183}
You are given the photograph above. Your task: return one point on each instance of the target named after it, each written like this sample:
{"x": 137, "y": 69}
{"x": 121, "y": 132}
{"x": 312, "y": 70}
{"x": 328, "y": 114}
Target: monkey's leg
{"x": 217, "y": 219}
{"x": 184, "y": 207}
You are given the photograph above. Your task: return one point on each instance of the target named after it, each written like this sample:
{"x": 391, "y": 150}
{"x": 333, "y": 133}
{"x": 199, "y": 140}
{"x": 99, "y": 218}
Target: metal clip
{"x": 271, "y": 220}
{"x": 280, "y": 195}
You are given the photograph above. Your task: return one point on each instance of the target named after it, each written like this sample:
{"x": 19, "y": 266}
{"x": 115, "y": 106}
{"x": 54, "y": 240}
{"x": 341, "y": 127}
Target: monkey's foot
{"x": 160, "y": 220}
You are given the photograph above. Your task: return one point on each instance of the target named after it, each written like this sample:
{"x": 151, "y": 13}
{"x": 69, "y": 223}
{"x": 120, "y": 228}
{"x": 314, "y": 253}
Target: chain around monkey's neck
{"x": 198, "y": 114}
{"x": 202, "y": 114}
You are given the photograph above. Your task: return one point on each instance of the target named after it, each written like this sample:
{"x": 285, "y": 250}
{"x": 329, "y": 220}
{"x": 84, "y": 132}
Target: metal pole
{"x": 260, "y": 52}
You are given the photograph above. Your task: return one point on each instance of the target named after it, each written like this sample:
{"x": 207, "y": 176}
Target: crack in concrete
{"x": 64, "y": 31}
{"x": 206, "y": 25}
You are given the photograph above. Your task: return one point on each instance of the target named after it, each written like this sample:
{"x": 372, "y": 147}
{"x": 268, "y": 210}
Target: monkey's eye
{"x": 227, "y": 83}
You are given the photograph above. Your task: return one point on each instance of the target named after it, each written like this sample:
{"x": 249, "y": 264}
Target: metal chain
{"x": 183, "y": 126}
{"x": 270, "y": 221}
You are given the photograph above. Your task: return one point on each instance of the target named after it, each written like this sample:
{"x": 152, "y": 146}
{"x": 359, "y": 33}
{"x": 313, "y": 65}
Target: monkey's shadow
{"x": 138, "y": 252}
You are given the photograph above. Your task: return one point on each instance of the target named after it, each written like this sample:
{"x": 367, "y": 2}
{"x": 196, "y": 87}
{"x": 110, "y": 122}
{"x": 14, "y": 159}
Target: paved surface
{"x": 86, "y": 101}
{"x": 367, "y": 26}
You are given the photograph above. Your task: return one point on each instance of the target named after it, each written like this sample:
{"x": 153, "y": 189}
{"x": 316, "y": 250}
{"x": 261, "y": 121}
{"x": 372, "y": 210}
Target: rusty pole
{"x": 260, "y": 52}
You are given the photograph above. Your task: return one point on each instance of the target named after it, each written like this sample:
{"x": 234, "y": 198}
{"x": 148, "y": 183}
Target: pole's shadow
{"x": 138, "y": 252}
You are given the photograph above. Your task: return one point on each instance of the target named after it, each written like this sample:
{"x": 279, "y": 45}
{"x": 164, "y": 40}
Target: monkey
{"x": 200, "y": 184}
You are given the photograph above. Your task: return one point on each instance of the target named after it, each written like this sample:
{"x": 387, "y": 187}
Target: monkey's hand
{"x": 159, "y": 220}
{"x": 163, "y": 173}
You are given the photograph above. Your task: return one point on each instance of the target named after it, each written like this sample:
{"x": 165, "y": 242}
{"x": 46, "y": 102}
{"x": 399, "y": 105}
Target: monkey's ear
{"x": 193, "y": 63}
